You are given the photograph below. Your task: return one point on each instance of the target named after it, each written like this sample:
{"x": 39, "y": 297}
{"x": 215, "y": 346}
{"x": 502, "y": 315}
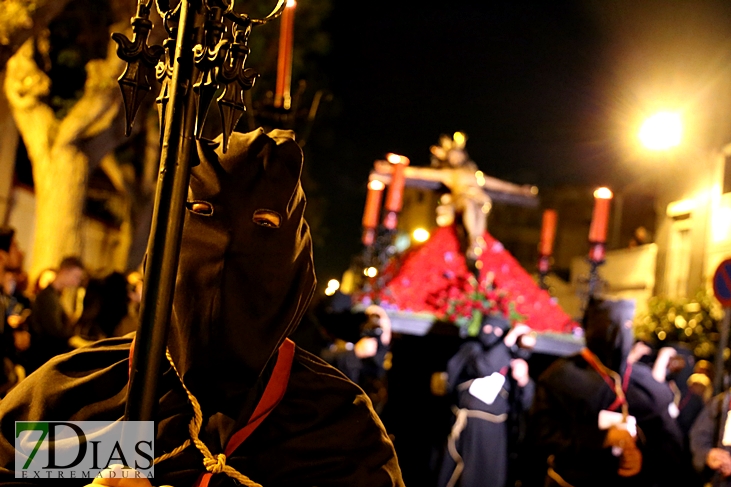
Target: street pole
{"x": 718, "y": 382}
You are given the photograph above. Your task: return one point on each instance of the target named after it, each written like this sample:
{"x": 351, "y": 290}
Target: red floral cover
{"x": 430, "y": 277}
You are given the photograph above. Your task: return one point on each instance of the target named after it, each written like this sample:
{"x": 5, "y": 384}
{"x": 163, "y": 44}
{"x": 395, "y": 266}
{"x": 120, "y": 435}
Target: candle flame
{"x": 376, "y": 185}
{"x": 291, "y": 3}
{"x": 396, "y": 159}
{"x": 603, "y": 194}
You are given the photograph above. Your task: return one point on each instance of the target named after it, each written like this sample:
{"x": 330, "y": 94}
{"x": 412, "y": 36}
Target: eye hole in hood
{"x": 200, "y": 207}
{"x": 267, "y": 218}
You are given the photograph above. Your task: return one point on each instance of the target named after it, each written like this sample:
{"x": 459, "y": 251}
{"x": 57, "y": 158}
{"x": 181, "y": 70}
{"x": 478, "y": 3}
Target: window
{"x": 678, "y": 257}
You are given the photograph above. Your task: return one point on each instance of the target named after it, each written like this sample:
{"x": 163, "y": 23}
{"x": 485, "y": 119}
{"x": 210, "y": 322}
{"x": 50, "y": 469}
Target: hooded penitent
{"x": 269, "y": 411}
{"x": 496, "y": 322}
{"x": 246, "y": 274}
{"x": 608, "y": 331}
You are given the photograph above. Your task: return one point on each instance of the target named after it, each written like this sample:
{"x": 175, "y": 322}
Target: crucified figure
{"x": 468, "y": 197}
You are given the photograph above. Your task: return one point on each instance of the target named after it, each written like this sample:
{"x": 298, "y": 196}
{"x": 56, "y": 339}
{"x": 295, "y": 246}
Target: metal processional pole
{"x": 205, "y": 52}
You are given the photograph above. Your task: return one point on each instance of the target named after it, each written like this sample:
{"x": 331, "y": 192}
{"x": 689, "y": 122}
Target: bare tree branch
{"x": 21, "y": 20}
{"x": 101, "y": 101}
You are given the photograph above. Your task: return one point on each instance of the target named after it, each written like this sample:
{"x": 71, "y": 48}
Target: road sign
{"x": 722, "y": 283}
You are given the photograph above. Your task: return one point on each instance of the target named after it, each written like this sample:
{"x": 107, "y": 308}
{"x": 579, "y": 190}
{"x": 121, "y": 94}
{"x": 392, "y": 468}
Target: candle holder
{"x": 594, "y": 282}
{"x": 544, "y": 265}
{"x": 545, "y": 247}
{"x": 300, "y": 117}
{"x": 375, "y": 257}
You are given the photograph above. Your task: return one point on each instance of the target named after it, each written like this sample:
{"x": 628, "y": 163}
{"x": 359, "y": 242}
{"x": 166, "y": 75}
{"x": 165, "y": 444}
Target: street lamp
{"x": 661, "y": 131}
{"x": 664, "y": 131}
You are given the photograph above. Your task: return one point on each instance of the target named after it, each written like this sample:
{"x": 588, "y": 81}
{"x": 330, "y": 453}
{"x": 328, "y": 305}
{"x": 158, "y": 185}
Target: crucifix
{"x": 470, "y": 195}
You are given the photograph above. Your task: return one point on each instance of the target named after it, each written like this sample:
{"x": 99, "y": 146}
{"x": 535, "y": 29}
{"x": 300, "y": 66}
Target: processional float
{"x": 204, "y": 55}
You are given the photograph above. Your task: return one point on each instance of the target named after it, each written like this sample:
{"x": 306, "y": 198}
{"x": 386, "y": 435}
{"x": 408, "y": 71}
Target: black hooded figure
{"x": 479, "y": 375}
{"x": 565, "y": 418}
{"x": 270, "y": 411}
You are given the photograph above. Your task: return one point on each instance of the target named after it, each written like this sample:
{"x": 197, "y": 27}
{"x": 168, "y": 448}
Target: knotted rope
{"x": 213, "y": 463}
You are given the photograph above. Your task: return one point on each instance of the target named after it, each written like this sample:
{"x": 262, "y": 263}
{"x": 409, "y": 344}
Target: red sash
{"x": 596, "y": 364}
{"x": 273, "y": 394}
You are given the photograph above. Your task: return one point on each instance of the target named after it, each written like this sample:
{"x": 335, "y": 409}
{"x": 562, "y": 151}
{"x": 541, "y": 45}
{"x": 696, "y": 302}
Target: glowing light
{"x": 480, "y": 177}
{"x": 291, "y": 3}
{"x": 534, "y": 190}
{"x": 370, "y": 271}
{"x": 420, "y": 235}
{"x": 376, "y": 185}
{"x": 661, "y": 131}
{"x": 603, "y": 194}
{"x": 459, "y": 138}
{"x": 332, "y": 286}
{"x": 397, "y": 159}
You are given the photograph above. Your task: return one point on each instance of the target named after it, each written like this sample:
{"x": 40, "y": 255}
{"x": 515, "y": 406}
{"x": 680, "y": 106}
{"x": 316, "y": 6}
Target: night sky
{"x": 547, "y": 92}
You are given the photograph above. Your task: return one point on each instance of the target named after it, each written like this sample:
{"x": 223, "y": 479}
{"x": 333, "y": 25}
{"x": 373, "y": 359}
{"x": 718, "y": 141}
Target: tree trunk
{"x": 60, "y": 151}
{"x": 60, "y": 195}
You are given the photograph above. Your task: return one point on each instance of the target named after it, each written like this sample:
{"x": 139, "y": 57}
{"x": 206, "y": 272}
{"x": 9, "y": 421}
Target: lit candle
{"x": 600, "y": 218}
{"x": 548, "y": 233}
{"x": 395, "y": 196}
{"x": 373, "y": 204}
{"x": 282, "y": 95}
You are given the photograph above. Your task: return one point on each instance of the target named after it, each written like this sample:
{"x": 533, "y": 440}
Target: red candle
{"x": 600, "y": 218}
{"x": 395, "y": 196}
{"x": 373, "y": 204}
{"x": 548, "y": 233}
{"x": 284, "y": 61}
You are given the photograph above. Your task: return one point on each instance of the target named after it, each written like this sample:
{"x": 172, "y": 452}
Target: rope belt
{"x": 462, "y": 414}
{"x": 459, "y": 425}
{"x": 213, "y": 463}
{"x": 273, "y": 394}
{"x": 555, "y": 476}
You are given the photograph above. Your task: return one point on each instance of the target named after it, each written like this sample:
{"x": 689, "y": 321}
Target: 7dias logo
{"x": 82, "y": 449}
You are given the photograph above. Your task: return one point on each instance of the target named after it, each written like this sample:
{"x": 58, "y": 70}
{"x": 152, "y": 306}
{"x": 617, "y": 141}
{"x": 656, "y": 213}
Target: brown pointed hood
{"x": 246, "y": 273}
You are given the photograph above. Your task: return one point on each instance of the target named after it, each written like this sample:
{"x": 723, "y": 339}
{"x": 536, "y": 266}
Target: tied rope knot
{"x": 215, "y": 464}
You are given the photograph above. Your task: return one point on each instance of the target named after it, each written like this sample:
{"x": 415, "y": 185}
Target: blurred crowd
{"x": 617, "y": 413}
{"x": 64, "y": 308}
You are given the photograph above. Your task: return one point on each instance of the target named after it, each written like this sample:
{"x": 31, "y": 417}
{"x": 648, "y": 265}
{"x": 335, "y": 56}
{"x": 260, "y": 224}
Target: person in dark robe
{"x": 599, "y": 421}
{"x": 484, "y": 376}
{"x": 271, "y": 413}
{"x": 105, "y": 305}
{"x": 710, "y": 442}
{"x": 50, "y": 325}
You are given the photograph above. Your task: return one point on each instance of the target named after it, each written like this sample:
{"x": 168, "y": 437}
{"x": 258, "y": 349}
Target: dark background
{"x": 548, "y": 93}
